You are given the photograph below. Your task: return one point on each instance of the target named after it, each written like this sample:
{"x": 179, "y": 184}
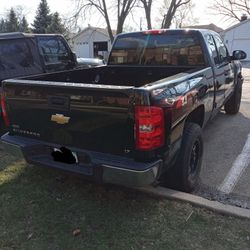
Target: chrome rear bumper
{"x": 105, "y": 168}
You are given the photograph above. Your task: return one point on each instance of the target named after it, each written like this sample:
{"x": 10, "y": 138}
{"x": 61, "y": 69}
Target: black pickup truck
{"x": 133, "y": 119}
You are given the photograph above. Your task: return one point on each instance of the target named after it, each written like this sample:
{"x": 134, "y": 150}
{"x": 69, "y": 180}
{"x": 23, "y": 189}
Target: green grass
{"x": 40, "y": 209}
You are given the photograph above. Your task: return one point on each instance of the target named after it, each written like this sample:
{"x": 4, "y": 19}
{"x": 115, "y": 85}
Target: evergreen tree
{"x": 24, "y": 26}
{"x": 42, "y": 18}
{"x": 56, "y": 25}
{"x": 2, "y": 26}
{"x": 12, "y": 22}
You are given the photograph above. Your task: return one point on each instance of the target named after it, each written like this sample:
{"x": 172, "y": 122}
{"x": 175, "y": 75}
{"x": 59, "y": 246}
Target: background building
{"x": 91, "y": 42}
{"x": 238, "y": 37}
{"x": 210, "y": 26}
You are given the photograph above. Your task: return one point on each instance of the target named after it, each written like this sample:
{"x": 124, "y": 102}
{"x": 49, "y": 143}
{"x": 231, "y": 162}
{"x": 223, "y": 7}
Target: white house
{"x": 210, "y": 26}
{"x": 238, "y": 37}
{"x": 91, "y": 42}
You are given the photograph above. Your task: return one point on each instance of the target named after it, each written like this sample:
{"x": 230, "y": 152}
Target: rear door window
{"x": 212, "y": 48}
{"x": 222, "y": 50}
{"x": 53, "y": 50}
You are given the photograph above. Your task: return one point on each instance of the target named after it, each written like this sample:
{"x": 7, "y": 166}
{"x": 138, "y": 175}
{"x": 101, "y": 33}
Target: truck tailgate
{"x": 91, "y": 117}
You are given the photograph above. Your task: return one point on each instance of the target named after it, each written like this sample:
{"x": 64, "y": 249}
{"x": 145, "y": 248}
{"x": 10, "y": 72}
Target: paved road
{"x": 225, "y": 172}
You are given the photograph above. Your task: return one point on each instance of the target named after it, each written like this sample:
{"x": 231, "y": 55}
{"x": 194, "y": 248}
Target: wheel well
{"x": 197, "y": 116}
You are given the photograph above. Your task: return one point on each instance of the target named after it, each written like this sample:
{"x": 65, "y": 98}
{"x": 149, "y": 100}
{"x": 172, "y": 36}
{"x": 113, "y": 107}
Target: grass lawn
{"x": 49, "y": 209}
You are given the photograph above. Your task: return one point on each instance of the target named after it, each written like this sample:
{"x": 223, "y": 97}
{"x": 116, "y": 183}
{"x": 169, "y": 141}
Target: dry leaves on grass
{"x": 76, "y": 232}
{"x": 29, "y": 236}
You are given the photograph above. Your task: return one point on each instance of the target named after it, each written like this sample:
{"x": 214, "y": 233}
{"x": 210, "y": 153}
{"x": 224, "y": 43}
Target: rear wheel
{"x": 232, "y": 105}
{"x": 185, "y": 173}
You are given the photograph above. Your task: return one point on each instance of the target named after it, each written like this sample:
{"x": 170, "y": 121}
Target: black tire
{"x": 232, "y": 106}
{"x": 188, "y": 165}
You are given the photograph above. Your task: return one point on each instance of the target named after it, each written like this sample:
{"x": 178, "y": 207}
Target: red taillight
{"x": 4, "y": 111}
{"x": 154, "y": 32}
{"x": 149, "y": 127}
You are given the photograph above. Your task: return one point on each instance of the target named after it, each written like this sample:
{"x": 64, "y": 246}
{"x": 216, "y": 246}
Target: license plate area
{"x": 64, "y": 155}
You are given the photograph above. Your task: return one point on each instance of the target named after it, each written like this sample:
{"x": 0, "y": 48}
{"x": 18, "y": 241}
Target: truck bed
{"x": 135, "y": 76}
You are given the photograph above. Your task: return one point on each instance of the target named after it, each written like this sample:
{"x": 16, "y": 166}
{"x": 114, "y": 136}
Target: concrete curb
{"x": 197, "y": 201}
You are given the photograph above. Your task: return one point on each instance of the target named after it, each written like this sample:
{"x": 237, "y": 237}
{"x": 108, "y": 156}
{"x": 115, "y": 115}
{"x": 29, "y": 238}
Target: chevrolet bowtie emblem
{"x": 60, "y": 119}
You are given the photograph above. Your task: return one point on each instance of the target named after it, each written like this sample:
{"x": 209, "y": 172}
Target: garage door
{"x": 82, "y": 49}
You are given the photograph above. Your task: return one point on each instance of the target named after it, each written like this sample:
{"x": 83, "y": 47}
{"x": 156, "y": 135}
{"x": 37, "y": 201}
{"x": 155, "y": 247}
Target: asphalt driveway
{"x": 225, "y": 173}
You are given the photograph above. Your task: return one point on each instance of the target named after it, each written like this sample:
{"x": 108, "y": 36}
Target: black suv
{"x": 23, "y": 54}
{"x": 27, "y": 54}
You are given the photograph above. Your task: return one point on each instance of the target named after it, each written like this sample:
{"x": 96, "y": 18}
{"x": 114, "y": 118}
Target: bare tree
{"x": 231, "y": 9}
{"x": 184, "y": 16}
{"x": 173, "y": 5}
{"x": 122, "y": 8}
{"x": 147, "y": 5}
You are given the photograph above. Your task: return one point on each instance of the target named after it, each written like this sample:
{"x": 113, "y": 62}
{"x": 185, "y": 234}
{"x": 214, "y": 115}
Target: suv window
{"x": 53, "y": 50}
{"x": 15, "y": 55}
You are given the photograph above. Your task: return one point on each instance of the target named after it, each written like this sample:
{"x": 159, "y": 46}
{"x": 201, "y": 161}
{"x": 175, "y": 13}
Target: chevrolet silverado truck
{"x": 132, "y": 120}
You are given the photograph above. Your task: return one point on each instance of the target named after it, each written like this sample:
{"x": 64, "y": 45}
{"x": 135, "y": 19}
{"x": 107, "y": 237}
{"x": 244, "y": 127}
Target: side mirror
{"x": 239, "y": 55}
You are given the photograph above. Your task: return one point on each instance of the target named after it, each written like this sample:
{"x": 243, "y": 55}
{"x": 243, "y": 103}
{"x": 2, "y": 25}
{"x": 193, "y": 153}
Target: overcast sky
{"x": 65, "y": 8}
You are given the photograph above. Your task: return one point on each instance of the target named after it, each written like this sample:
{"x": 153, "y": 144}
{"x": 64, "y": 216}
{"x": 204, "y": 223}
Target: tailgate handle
{"x": 58, "y": 102}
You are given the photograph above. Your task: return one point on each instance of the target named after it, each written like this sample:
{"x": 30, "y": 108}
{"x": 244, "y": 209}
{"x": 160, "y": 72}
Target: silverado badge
{"x": 60, "y": 119}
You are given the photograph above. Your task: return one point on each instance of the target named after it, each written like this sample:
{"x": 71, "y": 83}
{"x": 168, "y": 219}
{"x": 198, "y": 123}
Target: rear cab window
{"x": 157, "y": 49}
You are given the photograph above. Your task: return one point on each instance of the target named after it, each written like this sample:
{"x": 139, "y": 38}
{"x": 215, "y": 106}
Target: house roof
{"x": 210, "y": 26}
{"x": 237, "y": 25}
{"x": 101, "y": 30}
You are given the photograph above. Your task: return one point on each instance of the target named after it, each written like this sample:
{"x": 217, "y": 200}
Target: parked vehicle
{"x": 28, "y": 54}
{"x": 90, "y": 62}
{"x": 133, "y": 119}
{"x": 31, "y": 54}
